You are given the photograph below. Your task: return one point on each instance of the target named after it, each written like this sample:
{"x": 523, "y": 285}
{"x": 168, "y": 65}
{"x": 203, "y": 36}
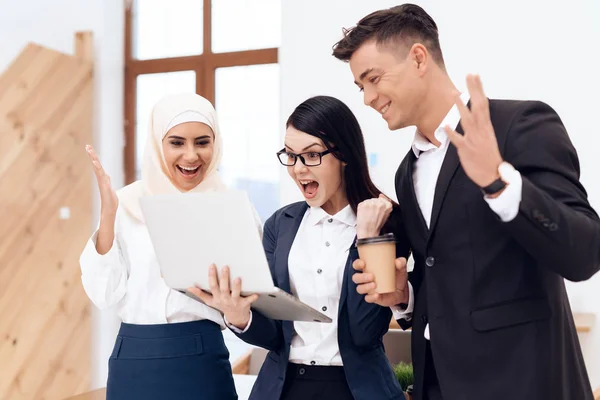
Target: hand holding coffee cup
{"x": 366, "y": 285}
{"x": 378, "y": 252}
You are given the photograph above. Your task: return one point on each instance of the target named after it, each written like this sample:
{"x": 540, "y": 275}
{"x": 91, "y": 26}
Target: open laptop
{"x": 191, "y": 231}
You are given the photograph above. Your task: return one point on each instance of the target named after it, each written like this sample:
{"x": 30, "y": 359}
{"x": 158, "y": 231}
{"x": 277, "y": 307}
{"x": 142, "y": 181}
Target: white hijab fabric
{"x": 170, "y": 111}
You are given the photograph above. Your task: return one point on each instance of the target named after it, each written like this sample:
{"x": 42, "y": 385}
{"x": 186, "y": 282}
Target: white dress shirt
{"x": 425, "y": 175}
{"x": 128, "y": 278}
{"x": 316, "y": 263}
{"x": 316, "y": 266}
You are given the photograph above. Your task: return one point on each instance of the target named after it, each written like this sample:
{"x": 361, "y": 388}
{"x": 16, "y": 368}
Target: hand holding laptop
{"x": 230, "y": 302}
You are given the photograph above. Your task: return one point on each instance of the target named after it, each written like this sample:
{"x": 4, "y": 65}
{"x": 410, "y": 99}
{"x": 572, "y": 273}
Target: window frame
{"x": 204, "y": 65}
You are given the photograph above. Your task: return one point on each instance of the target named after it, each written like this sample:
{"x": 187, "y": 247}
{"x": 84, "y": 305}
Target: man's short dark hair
{"x": 403, "y": 25}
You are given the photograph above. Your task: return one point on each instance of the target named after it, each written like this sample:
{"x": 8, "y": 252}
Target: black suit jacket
{"x": 493, "y": 292}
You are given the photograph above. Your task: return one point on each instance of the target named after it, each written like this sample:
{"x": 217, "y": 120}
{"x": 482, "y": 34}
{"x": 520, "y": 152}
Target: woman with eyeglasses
{"x": 310, "y": 248}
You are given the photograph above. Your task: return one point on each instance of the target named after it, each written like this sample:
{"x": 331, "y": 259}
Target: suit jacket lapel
{"x": 287, "y": 230}
{"x": 449, "y": 167}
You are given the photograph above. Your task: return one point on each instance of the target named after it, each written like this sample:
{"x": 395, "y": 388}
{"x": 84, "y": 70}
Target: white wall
{"x": 534, "y": 49}
{"x": 53, "y": 24}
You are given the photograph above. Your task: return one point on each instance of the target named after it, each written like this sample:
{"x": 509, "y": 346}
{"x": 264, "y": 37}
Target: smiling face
{"x": 322, "y": 185}
{"x": 393, "y": 85}
{"x": 188, "y": 150}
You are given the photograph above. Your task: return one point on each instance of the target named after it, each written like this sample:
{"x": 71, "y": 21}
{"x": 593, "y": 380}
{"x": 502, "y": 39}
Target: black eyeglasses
{"x": 310, "y": 159}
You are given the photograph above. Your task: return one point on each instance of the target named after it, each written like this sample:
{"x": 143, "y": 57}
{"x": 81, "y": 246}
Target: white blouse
{"x": 316, "y": 264}
{"x": 128, "y": 278}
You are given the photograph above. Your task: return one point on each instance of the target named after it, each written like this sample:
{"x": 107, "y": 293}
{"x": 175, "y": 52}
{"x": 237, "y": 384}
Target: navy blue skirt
{"x": 170, "y": 361}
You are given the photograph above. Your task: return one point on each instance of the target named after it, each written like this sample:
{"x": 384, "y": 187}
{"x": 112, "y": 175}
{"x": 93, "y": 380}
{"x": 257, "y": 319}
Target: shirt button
{"x": 430, "y": 261}
{"x": 319, "y": 271}
{"x": 324, "y": 308}
{"x": 312, "y": 363}
{"x": 330, "y": 220}
{"x": 327, "y": 244}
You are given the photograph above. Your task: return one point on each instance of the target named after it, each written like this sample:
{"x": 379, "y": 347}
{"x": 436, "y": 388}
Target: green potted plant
{"x": 404, "y": 374}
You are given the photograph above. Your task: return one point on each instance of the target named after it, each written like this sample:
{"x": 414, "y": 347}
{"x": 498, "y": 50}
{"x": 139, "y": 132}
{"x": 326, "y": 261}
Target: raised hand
{"x": 108, "y": 208}
{"x": 366, "y": 284}
{"x": 478, "y": 148}
{"x": 371, "y": 215}
{"x": 108, "y": 195}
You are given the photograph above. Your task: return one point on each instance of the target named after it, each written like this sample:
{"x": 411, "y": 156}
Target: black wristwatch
{"x": 494, "y": 187}
{"x": 506, "y": 172}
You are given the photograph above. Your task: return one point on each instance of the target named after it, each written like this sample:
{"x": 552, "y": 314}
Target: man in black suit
{"x": 494, "y": 215}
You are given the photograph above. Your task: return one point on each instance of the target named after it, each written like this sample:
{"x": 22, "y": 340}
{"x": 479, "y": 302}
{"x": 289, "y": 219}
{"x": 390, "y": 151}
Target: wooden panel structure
{"x": 46, "y": 105}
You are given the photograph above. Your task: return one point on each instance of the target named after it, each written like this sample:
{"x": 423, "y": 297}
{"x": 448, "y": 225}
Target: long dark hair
{"x": 333, "y": 122}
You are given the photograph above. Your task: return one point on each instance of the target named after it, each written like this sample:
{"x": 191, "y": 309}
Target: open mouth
{"x": 309, "y": 188}
{"x": 188, "y": 172}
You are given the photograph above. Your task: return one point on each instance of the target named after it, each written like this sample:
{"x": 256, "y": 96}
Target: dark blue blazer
{"x": 361, "y": 325}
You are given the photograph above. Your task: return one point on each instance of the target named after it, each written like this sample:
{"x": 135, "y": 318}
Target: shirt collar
{"x": 421, "y": 144}
{"x": 317, "y": 215}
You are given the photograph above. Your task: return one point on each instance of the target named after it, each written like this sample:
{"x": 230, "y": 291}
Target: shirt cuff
{"x": 235, "y": 329}
{"x": 100, "y": 264}
{"x": 506, "y": 205}
{"x": 406, "y": 314}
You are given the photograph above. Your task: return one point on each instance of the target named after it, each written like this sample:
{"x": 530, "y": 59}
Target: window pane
{"x": 150, "y": 89}
{"x": 245, "y": 25}
{"x": 167, "y": 28}
{"x": 247, "y": 102}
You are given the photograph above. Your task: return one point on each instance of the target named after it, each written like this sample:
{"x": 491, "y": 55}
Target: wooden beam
{"x": 207, "y": 27}
{"x": 190, "y": 63}
{"x": 129, "y": 123}
{"x": 205, "y": 71}
{"x": 242, "y": 58}
{"x": 129, "y": 104}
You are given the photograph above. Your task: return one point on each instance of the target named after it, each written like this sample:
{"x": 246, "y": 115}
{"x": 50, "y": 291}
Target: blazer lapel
{"x": 449, "y": 167}
{"x": 348, "y": 272}
{"x": 287, "y": 230}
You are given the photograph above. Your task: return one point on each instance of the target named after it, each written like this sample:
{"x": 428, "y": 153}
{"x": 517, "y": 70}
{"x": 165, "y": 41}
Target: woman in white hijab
{"x": 168, "y": 346}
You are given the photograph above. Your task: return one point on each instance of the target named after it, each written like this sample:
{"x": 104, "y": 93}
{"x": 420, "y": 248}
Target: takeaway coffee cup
{"x": 379, "y": 254}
